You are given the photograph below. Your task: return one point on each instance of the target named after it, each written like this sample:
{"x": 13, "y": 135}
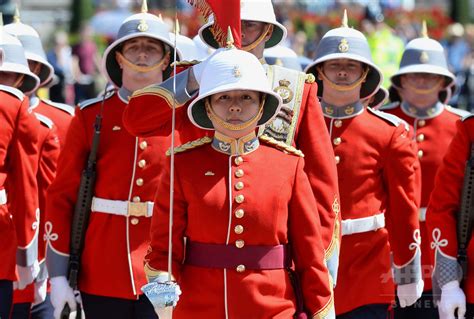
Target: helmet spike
{"x": 424, "y": 30}
{"x": 160, "y": 17}
{"x": 230, "y": 38}
{"x": 345, "y": 23}
{"x": 144, "y": 6}
{"x": 177, "y": 28}
{"x": 16, "y": 17}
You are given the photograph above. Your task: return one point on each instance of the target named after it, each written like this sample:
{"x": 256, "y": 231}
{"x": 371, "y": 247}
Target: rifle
{"x": 465, "y": 216}
{"x": 82, "y": 211}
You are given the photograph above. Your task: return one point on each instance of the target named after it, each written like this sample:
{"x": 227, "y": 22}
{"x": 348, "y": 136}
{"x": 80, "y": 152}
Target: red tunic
{"x": 445, "y": 203}
{"x": 148, "y": 113}
{"x": 433, "y": 134}
{"x": 377, "y": 168}
{"x": 275, "y": 209}
{"x": 127, "y": 170}
{"x": 61, "y": 115}
{"x": 18, "y": 165}
{"x": 48, "y": 147}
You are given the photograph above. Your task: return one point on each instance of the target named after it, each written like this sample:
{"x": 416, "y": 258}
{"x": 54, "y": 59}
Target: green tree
{"x": 461, "y": 11}
{"x": 7, "y": 7}
{"x": 82, "y": 10}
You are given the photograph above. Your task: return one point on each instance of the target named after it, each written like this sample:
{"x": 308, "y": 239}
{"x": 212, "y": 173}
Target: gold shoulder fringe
{"x": 310, "y": 78}
{"x": 281, "y": 145}
{"x": 185, "y": 63}
{"x": 190, "y": 145}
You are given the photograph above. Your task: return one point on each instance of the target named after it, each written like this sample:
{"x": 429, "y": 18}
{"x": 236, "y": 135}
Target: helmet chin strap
{"x": 430, "y": 90}
{"x": 343, "y": 88}
{"x": 138, "y": 68}
{"x": 18, "y": 81}
{"x": 233, "y": 127}
{"x": 252, "y": 46}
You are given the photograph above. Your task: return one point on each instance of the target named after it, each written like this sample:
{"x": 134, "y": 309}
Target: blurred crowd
{"x": 76, "y": 59}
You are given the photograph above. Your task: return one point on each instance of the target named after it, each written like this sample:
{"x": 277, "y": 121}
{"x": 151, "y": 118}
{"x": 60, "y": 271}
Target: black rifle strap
{"x": 466, "y": 217}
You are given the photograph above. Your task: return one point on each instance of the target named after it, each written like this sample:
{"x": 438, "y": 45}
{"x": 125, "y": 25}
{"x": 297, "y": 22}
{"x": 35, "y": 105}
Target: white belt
{"x": 122, "y": 207}
{"x": 362, "y": 225}
{"x": 3, "y": 197}
{"x": 422, "y": 214}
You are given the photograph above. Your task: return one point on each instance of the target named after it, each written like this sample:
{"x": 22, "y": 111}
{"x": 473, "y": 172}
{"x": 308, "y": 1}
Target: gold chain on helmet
{"x": 233, "y": 127}
{"x": 430, "y": 90}
{"x": 137, "y": 68}
{"x": 252, "y": 46}
{"x": 18, "y": 81}
{"x": 344, "y": 87}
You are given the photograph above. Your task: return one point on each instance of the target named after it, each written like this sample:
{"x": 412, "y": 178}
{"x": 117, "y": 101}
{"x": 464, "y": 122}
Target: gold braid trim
{"x": 281, "y": 145}
{"x": 333, "y": 245}
{"x": 158, "y": 91}
{"x": 328, "y": 307}
{"x": 190, "y": 145}
{"x": 336, "y": 230}
{"x": 152, "y": 274}
{"x": 310, "y": 78}
{"x": 185, "y": 63}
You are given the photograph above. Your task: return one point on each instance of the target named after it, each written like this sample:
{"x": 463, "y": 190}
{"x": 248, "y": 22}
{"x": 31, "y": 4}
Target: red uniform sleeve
{"x": 307, "y": 247}
{"x": 446, "y": 196}
{"x": 150, "y": 115}
{"x": 400, "y": 175}
{"x": 314, "y": 141}
{"x": 49, "y": 154}
{"x": 157, "y": 258}
{"x": 21, "y": 185}
{"x": 62, "y": 195}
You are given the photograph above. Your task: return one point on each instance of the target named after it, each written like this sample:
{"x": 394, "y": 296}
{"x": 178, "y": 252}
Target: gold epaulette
{"x": 190, "y": 145}
{"x": 310, "y": 78}
{"x": 185, "y": 64}
{"x": 281, "y": 145}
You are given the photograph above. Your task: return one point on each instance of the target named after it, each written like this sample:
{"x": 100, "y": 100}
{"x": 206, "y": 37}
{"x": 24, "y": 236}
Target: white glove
{"x": 408, "y": 294}
{"x": 161, "y": 292}
{"x": 452, "y": 297}
{"x": 61, "y": 293}
{"x": 26, "y": 275}
{"x": 40, "y": 291}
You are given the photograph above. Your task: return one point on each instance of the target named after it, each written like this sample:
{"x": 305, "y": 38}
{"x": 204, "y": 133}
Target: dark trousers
{"x": 423, "y": 308}
{"x": 44, "y": 310}
{"x": 21, "y": 311}
{"x": 375, "y": 311}
{"x": 6, "y": 298}
{"x": 469, "y": 311}
{"x": 99, "y": 307}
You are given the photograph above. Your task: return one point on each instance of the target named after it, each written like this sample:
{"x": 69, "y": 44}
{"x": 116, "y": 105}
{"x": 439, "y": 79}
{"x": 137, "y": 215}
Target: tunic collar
{"x": 124, "y": 94}
{"x": 427, "y": 113}
{"x": 232, "y": 146}
{"x": 342, "y": 112}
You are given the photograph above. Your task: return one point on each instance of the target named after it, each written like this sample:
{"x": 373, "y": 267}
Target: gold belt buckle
{"x": 137, "y": 209}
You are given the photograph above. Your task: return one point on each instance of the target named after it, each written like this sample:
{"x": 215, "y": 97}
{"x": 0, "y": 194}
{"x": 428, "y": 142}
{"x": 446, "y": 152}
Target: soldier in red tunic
{"x": 421, "y": 84}
{"x": 19, "y": 213}
{"x": 441, "y": 223}
{"x": 48, "y": 147}
{"x": 61, "y": 114}
{"x": 237, "y": 223}
{"x": 300, "y": 122}
{"x": 111, "y": 272}
{"x": 377, "y": 168}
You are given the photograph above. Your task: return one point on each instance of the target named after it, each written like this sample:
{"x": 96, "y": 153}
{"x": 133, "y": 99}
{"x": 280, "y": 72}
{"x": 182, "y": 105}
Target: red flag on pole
{"x": 226, "y": 14}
